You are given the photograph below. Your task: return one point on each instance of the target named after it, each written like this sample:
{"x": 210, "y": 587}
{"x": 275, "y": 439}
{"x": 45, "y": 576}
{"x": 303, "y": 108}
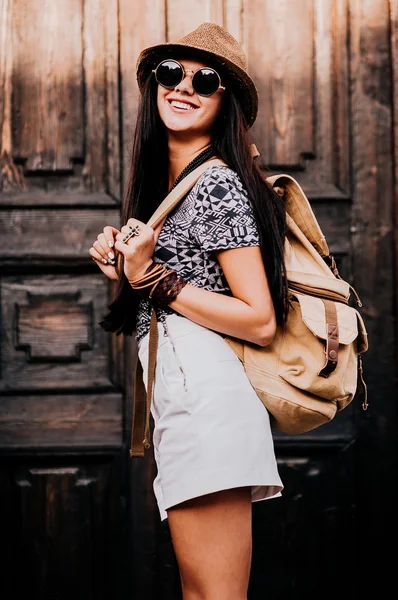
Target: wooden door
{"x": 63, "y": 473}
{"x": 78, "y": 515}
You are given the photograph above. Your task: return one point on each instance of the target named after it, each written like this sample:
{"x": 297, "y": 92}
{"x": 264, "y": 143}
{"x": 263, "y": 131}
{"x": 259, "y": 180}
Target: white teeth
{"x": 183, "y": 105}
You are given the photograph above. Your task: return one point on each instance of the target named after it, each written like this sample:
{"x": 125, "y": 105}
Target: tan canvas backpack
{"x": 313, "y": 367}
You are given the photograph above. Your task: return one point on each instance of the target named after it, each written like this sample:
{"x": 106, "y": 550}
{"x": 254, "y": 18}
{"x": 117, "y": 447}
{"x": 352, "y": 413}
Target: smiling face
{"x": 182, "y": 110}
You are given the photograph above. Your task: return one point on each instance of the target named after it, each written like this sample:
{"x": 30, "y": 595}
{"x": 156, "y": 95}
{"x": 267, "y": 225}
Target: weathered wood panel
{"x": 47, "y": 84}
{"x": 340, "y": 150}
{"x": 377, "y": 435}
{"x": 10, "y": 176}
{"x": 48, "y": 234}
{"x": 232, "y": 19}
{"x": 180, "y": 20}
{"x": 102, "y": 161}
{"x": 394, "y": 56}
{"x": 70, "y": 421}
{"x": 281, "y": 61}
{"x": 302, "y": 78}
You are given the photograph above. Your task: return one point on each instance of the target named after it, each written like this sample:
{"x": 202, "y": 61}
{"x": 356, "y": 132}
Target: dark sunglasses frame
{"x": 184, "y": 73}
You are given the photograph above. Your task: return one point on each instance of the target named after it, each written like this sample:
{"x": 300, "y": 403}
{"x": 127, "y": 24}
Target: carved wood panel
{"x": 50, "y": 333}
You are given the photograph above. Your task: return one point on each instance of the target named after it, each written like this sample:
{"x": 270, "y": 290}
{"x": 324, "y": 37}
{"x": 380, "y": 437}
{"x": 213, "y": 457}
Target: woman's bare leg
{"x": 212, "y": 539}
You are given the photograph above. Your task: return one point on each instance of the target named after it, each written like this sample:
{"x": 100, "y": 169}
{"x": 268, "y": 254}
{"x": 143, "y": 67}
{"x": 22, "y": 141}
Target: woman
{"x": 220, "y": 253}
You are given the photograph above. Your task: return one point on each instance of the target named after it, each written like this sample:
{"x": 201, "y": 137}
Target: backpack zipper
{"x": 303, "y": 289}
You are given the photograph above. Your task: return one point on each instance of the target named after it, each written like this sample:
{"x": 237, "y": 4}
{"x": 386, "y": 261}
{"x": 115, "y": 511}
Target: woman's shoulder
{"x": 218, "y": 180}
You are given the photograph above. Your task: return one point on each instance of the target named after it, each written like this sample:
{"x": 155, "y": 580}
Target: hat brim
{"x": 236, "y": 77}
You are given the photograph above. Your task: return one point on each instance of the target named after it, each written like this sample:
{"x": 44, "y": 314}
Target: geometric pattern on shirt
{"x": 215, "y": 215}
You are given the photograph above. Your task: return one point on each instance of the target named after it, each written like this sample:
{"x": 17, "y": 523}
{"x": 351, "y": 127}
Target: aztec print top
{"x": 215, "y": 215}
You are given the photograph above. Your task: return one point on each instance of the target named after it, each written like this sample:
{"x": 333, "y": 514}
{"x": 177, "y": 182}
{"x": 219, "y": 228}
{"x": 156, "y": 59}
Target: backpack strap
{"x": 181, "y": 190}
{"x": 300, "y": 210}
{"x": 140, "y": 434}
{"x": 332, "y": 341}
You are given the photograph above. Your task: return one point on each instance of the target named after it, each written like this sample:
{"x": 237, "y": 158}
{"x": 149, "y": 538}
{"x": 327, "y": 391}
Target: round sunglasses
{"x": 205, "y": 81}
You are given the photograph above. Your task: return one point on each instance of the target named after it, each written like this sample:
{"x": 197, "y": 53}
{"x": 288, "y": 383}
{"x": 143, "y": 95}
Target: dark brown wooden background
{"x": 78, "y": 517}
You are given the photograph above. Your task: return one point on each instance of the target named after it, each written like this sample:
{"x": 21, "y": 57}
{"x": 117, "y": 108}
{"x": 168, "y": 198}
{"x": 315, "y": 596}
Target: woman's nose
{"x": 185, "y": 85}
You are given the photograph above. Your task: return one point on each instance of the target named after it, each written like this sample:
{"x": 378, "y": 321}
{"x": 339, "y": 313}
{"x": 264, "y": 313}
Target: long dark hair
{"x": 148, "y": 185}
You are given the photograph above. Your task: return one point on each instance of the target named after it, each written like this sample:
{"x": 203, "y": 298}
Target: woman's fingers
{"x": 110, "y": 235}
{"x": 96, "y": 255}
{"x": 105, "y": 250}
{"x": 108, "y": 269}
{"x": 105, "y": 243}
{"x": 104, "y": 257}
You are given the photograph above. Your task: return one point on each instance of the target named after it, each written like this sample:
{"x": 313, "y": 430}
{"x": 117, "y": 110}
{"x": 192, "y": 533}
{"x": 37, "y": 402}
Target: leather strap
{"x": 140, "y": 434}
{"x": 181, "y": 190}
{"x": 332, "y": 341}
{"x": 362, "y": 387}
{"x": 138, "y": 426}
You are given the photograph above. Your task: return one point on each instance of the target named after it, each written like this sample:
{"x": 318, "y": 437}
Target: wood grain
{"x": 44, "y": 233}
{"x": 47, "y": 84}
{"x": 102, "y": 169}
{"x": 11, "y": 175}
{"x": 181, "y": 21}
{"x": 6, "y": 9}
{"x": 375, "y": 280}
{"x": 341, "y": 174}
{"x": 281, "y": 63}
{"x": 394, "y": 58}
{"x": 54, "y": 421}
{"x": 233, "y": 15}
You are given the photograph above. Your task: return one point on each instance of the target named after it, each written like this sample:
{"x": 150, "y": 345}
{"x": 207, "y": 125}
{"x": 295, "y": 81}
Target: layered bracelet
{"x": 159, "y": 284}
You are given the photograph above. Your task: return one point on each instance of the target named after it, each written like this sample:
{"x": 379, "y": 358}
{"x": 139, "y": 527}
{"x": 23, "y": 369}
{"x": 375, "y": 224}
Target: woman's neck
{"x": 181, "y": 153}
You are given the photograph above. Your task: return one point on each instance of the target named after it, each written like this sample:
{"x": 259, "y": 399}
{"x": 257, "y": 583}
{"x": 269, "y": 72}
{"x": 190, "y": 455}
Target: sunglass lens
{"x": 206, "y": 82}
{"x": 169, "y": 73}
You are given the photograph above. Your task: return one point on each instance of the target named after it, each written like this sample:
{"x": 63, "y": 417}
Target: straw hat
{"x": 215, "y": 46}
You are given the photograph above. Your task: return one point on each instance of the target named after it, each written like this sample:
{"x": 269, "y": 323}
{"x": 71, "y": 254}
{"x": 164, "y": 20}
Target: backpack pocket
{"x": 303, "y": 362}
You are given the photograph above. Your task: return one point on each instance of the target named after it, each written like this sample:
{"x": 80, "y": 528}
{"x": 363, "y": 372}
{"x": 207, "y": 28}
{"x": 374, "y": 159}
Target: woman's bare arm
{"x": 249, "y": 314}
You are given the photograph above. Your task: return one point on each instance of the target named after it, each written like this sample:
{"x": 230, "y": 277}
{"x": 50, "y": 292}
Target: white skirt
{"x": 211, "y": 430}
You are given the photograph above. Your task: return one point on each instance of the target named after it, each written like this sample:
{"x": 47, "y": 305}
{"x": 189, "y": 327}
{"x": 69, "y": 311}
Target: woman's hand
{"x": 138, "y": 249}
{"x": 102, "y": 252}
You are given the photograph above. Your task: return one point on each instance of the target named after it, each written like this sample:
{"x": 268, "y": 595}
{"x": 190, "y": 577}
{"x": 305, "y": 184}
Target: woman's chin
{"x": 180, "y": 125}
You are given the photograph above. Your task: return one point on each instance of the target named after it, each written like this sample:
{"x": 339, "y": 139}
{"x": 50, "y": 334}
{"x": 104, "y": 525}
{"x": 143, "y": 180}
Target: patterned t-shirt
{"x": 215, "y": 215}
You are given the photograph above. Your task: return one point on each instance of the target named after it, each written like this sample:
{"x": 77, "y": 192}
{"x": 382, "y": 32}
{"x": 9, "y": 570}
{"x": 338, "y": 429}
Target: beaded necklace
{"x": 196, "y": 162}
